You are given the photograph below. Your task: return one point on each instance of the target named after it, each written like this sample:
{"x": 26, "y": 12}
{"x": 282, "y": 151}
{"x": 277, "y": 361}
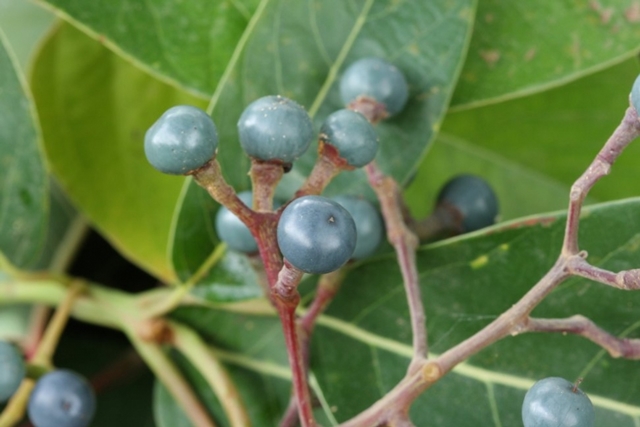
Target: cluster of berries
{"x": 315, "y": 234}
{"x": 61, "y": 398}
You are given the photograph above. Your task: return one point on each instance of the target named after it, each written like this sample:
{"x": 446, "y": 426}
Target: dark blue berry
{"x": 470, "y": 201}
{"x": 635, "y": 95}
{"x": 369, "y": 226}
{"x": 12, "y": 370}
{"x": 61, "y": 398}
{"x": 232, "y": 231}
{"x": 555, "y": 402}
{"x": 275, "y": 128}
{"x": 316, "y": 234}
{"x": 377, "y": 79}
{"x": 352, "y": 135}
{"x": 182, "y": 140}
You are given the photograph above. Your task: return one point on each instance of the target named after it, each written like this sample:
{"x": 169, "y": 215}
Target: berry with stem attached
{"x": 181, "y": 141}
{"x": 316, "y": 234}
{"x": 377, "y": 80}
{"x": 555, "y": 402}
{"x": 369, "y": 226}
{"x": 352, "y": 135}
{"x": 275, "y": 128}
{"x": 635, "y": 95}
{"x": 61, "y": 398}
{"x": 12, "y": 370}
{"x": 468, "y": 202}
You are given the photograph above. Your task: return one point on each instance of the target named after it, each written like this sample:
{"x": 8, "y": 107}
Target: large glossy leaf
{"x": 24, "y": 24}
{"x": 186, "y": 43}
{"x": 288, "y": 53}
{"x": 519, "y": 48}
{"x": 23, "y": 178}
{"x": 520, "y": 191}
{"x": 361, "y": 347}
{"x": 95, "y": 108}
{"x": 559, "y": 132}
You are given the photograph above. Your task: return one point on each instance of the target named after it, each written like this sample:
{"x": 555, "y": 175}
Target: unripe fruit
{"x": 62, "y": 398}
{"x": 182, "y": 140}
{"x": 555, "y": 402}
{"x": 369, "y": 226}
{"x": 316, "y": 234}
{"x": 377, "y": 79}
{"x": 352, "y": 135}
{"x": 12, "y": 370}
{"x": 232, "y": 231}
{"x": 471, "y": 200}
{"x": 275, "y": 128}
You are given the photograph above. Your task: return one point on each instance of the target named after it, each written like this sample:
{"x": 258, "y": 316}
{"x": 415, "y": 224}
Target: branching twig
{"x": 629, "y": 348}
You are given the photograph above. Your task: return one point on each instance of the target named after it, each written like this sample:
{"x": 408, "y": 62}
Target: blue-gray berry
{"x": 369, "y": 226}
{"x": 377, "y": 79}
{"x": 352, "y": 135}
{"x": 275, "y": 128}
{"x": 12, "y": 370}
{"x": 232, "y": 231}
{"x": 316, "y": 234}
{"x": 61, "y": 398}
{"x": 471, "y": 200}
{"x": 555, "y": 402}
{"x": 182, "y": 140}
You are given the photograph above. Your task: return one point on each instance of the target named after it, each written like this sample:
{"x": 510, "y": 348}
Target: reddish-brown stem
{"x": 328, "y": 286}
{"x": 210, "y": 178}
{"x": 628, "y": 280}
{"x": 405, "y": 244}
{"x": 264, "y": 179}
{"x": 327, "y": 166}
{"x": 580, "y": 325}
{"x": 287, "y": 298}
{"x": 627, "y": 131}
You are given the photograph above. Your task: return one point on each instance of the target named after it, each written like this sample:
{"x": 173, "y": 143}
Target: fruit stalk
{"x": 405, "y": 244}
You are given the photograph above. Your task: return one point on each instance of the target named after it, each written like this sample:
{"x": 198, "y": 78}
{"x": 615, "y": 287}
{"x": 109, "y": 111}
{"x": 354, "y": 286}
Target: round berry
{"x": 369, "y": 226}
{"x": 316, "y": 234}
{"x": 377, "y": 79}
{"x": 635, "y": 95}
{"x": 275, "y": 128}
{"x": 61, "y": 398}
{"x": 232, "y": 231}
{"x": 471, "y": 200}
{"x": 555, "y": 402}
{"x": 182, "y": 140}
{"x": 352, "y": 135}
{"x": 12, "y": 370}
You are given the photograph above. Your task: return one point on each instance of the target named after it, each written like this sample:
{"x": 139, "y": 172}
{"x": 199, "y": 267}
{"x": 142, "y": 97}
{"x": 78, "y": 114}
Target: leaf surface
{"x": 24, "y": 203}
{"x": 24, "y": 24}
{"x": 519, "y": 48}
{"x": 185, "y": 43}
{"x": 559, "y": 132}
{"x": 361, "y": 347}
{"x": 95, "y": 109}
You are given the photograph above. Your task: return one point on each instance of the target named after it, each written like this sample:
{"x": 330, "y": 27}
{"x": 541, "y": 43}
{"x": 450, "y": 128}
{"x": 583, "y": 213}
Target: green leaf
{"x": 287, "y": 53}
{"x": 185, "y": 43}
{"x": 24, "y": 25}
{"x": 95, "y": 108}
{"x": 361, "y": 347}
{"x": 519, "y": 48}
{"x": 559, "y": 132}
{"x": 513, "y": 184}
{"x": 23, "y": 177}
